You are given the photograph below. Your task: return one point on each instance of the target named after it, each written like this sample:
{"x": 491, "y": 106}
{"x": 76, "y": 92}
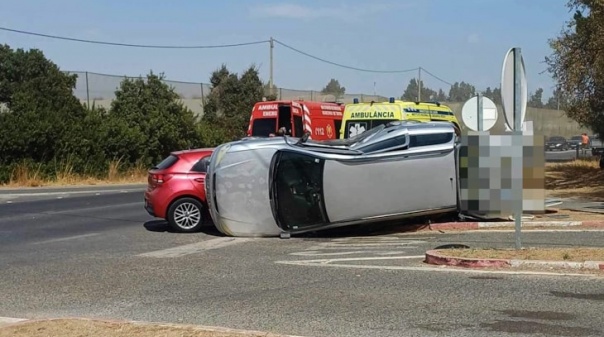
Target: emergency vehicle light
{"x": 355, "y": 100}
{"x": 391, "y": 100}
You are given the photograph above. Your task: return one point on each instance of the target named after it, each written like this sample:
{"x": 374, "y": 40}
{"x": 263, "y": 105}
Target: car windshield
{"x": 346, "y": 142}
{"x": 556, "y": 139}
{"x": 576, "y": 138}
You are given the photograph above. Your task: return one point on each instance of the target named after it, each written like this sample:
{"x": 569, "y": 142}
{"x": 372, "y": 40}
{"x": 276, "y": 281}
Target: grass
{"x": 87, "y": 327}
{"x": 543, "y": 254}
{"x": 580, "y": 178}
{"x": 27, "y": 176}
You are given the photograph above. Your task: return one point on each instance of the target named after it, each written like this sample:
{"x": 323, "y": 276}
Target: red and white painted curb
{"x": 506, "y": 224}
{"x": 9, "y": 321}
{"x": 437, "y": 257}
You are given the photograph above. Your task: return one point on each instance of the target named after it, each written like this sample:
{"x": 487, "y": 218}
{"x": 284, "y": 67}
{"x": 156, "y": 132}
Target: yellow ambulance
{"x": 360, "y": 117}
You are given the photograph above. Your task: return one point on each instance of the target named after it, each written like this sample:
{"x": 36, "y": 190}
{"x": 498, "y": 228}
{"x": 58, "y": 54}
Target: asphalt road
{"x": 103, "y": 256}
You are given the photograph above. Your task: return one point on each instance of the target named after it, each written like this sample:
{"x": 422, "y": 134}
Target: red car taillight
{"x": 159, "y": 179}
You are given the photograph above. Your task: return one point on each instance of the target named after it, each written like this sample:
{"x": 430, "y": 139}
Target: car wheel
{"x": 186, "y": 215}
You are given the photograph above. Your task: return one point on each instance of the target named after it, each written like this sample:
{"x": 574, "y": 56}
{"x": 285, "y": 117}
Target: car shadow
{"x": 162, "y": 226}
{"x": 409, "y": 225}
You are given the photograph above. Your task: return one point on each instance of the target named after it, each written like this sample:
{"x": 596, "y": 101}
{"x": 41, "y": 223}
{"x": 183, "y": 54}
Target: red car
{"x": 176, "y": 190}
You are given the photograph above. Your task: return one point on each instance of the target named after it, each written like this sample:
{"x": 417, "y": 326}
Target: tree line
{"x": 44, "y": 127}
{"x": 458, "y": 92}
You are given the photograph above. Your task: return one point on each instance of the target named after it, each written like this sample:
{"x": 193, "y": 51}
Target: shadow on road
{"x": 162, "y": 226}
{"x": 379, "y": 228}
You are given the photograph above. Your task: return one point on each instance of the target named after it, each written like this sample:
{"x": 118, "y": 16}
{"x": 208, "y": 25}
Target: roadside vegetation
{"x": 579, "y": 178}
{"x": 48, "y": 137}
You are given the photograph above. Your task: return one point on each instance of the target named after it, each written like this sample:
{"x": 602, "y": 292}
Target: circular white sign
{"x": 469, "y": 114}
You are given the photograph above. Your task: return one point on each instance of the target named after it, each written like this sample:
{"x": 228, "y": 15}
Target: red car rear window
{"x": 166, "y": 163}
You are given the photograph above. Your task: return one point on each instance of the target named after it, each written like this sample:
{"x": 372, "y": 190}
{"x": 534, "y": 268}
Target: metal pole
{"x": 517, "y": 169}
{"x": 87, "y": 91}
{"x": 479, "y": 112}
{"x": 202, "y": 98}
{"x": 270, "y": 80}
{"x": 419, "y": 85}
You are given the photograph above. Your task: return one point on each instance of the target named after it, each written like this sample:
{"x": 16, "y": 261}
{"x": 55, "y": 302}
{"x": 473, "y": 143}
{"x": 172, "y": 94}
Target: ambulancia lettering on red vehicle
{"x": 269, "y": 113}
{"x": 268, "y": 107}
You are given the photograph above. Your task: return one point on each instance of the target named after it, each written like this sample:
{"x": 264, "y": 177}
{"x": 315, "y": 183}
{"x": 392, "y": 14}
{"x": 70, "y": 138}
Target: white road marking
{"x": 75, "y": 237}
{"x": 440, "y": 269}
{"x": 197, "y": 247}
{"x": 319, "y": 253}
{"x": 10, "y": 320}
{"x": 71, "y": 192}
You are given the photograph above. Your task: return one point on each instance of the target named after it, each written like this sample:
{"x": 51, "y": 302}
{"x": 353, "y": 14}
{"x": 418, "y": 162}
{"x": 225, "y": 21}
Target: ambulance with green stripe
{"x": 360, "y": 117}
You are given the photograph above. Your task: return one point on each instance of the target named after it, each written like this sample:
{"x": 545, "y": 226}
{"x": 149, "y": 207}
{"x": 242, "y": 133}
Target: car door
{"x": 197, "y": 174}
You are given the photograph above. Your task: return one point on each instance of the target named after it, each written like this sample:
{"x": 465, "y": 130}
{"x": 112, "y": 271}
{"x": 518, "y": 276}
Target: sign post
{"x": 514, "y": 94}
{"x": 479, "y": 112}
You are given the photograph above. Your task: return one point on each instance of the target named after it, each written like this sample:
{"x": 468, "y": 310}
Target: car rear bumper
{"x": 149, "y": 207}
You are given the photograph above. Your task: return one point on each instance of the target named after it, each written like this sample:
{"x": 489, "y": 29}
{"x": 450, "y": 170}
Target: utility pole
{"x": 419, "y": 85}
{"x": 270, "y": 80}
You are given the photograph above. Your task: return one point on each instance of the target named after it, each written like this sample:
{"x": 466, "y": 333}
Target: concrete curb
{"x": 11, "y": 322}
{"x": 437, "y": 258}
{"x": 506, "y": 224}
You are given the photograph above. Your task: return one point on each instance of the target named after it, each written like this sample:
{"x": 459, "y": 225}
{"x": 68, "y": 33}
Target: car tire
{"x": 186, "y": 215}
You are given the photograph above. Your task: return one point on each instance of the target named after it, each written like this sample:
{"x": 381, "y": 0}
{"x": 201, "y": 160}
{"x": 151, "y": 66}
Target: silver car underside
{"x": 268, "y": 186}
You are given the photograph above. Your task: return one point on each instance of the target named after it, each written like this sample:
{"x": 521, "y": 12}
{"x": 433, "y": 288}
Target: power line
{"x": 342, "y": 65}
{"x": 436, "y": 77}
{"x": 133, "y": 45}
{"x": 220, "y": 46}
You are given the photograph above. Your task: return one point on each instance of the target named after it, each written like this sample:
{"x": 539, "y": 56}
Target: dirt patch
{"x": 569, "y": 215}
{"x": 579, "y": 178}
{"x": 96, "y": 328}
{"x": 545, "y": 254}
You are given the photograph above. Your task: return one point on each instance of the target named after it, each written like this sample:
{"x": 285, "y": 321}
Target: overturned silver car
{"x": 271, "y": 186}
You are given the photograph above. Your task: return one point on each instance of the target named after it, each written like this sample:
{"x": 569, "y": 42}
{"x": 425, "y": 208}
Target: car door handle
{"x": 199, "y": 180}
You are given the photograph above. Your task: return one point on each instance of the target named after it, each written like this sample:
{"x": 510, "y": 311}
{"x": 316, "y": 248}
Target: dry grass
{"x": 26, "y": 176}
{"x": 544, "y": 254}
{"x": 94, "y": 328}
{"x": 580, "y": 178}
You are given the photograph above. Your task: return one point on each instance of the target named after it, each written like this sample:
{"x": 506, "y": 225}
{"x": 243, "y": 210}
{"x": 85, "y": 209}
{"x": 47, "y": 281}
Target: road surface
{"x": 103, "y": 256}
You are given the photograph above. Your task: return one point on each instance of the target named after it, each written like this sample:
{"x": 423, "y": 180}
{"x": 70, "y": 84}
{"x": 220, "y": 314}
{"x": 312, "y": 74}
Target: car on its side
{"x": 271, "y": 186}
{"x": 556, "y": 143}
{"x": 176, "y": 190}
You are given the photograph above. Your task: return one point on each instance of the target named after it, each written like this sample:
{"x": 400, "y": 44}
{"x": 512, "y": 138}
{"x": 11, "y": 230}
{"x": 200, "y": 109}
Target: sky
{"x": 462, "y": 40}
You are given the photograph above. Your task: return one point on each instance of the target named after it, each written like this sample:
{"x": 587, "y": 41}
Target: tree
{"x": 147, "y": 121}
{"x": 333, "y": 87}
{"x": 536, "y": 99}
{"x": 410, "y": 93}
{"x": 461, "y": 92}
{"x": 441, "y": 96}
{"x": 577, "y": 64}
{"x": 556, "y": 101}
{"x": 42, "y": 118}
{"x": 229, "y": 105}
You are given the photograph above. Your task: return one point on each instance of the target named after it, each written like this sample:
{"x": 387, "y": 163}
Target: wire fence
{"x": 99, "y": 89}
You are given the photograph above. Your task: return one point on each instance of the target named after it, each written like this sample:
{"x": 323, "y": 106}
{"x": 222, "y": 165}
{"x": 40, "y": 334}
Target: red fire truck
{"x": 322, "y": 119}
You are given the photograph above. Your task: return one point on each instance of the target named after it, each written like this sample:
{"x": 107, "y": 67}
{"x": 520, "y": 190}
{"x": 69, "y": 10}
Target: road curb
{"x": 11, "y": 322}
{"x": 506, "y": 224}
{"x": 435, "y": 257}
